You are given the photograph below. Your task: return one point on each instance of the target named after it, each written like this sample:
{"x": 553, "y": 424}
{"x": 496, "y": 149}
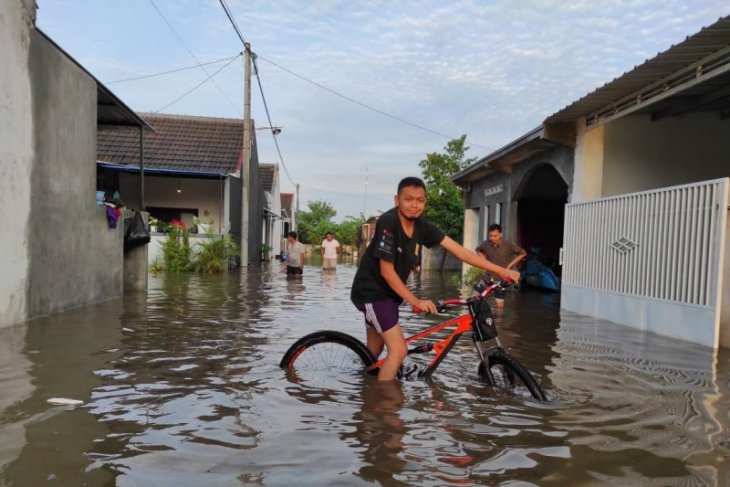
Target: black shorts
{"x": 293, "y": 271}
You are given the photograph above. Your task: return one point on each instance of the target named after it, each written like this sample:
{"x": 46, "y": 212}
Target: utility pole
{"x": 365, "y": 200}
{"x": 246, "y": 153}
{"x": 296, "y": 219}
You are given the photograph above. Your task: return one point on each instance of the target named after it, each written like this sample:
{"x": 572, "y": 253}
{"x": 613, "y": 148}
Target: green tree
{"x": 348, "y": 231}
{"x": 445, "y": 206}
{"x": 314, "y": 224}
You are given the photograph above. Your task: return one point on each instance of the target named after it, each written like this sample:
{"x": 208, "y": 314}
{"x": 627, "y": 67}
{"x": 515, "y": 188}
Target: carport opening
{"x": 541, "y": 201}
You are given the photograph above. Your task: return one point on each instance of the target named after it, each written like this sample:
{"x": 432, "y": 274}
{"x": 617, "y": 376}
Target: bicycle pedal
{"x": 409, "y": 372}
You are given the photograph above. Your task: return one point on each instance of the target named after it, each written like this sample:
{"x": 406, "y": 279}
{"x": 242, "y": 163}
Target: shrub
{"x": 213, "y": 254}
{"x": 176, "y": 250}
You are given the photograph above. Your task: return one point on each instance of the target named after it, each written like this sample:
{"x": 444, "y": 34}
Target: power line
{"x": 233, "y": 22}
{"x": 364, "y": 105}
{"x": 261, "y": 88}
{"x": 171, "y": 71}
{"x": 193, "y": 55}
{"x": 268, "y": 117}
{"x": 198, "y": 85}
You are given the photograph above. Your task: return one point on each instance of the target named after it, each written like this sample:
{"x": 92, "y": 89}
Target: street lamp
{"x": 274, "y": 130}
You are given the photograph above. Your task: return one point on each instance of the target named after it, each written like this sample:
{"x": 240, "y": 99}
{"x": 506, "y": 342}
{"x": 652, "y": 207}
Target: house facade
{"x": 628, "y": 188}
{"x": 191, "y": 174}
{"x": 271, "y": 225}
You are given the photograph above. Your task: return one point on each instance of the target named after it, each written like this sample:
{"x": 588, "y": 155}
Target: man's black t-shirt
{"x": 391, "y": 243}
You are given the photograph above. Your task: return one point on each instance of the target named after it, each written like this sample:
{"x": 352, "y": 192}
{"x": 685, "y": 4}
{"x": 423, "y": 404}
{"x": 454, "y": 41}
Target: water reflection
{"x": 379, "y": 431}
{"x": 182, "y": 387}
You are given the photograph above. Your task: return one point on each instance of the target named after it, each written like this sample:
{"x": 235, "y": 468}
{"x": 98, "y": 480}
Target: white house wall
{"x": 666, "y": 152}
{"x": 203, "y": 194}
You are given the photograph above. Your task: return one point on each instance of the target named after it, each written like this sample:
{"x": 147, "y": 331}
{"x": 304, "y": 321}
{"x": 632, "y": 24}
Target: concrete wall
{"x": 74, "y": 257}
{"x": 58, "y": 251}
{"x": 16, "y": 155}
{"x": 588, "y": 166}
{"x": 667, "y": 152}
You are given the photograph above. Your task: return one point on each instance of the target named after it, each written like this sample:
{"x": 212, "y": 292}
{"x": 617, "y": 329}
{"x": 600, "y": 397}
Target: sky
{"x": 364, "y": 90}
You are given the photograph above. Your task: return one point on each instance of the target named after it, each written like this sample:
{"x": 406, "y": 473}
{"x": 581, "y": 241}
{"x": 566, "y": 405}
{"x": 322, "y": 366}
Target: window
{"x": 498, "y": 214}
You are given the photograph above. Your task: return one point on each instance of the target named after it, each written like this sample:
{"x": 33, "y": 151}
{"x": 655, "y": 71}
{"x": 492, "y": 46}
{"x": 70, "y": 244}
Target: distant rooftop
{"x": 266, "y": 176}
{"x": 286, "y": 204}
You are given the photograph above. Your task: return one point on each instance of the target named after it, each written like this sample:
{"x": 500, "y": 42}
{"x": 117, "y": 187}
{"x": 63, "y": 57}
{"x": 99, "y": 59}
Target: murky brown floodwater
{"x": 182, "y": 388}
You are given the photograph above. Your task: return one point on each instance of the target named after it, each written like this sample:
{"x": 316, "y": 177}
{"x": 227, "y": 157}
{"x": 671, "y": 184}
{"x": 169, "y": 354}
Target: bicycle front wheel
{"x": 506, "y": 372}
{"x": 327, "y": 351}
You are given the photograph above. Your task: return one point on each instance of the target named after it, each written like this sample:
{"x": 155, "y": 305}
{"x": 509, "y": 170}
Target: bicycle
{"x": 328, "y": 349}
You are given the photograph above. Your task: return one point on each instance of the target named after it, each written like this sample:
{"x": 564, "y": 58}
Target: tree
{"x": 314, "y": 224}
{"x": 348, "y": 231}
{"x": 445, "y": 206}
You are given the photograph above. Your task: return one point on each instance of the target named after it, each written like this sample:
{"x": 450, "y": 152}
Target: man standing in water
{"x": 501, "y": 252}
{"x": 379, "y": 286}
{"x": 295, "y": 256}
{"x": 330, "y": 249}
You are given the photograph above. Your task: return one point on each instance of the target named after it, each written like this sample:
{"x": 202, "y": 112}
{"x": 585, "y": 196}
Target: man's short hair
{"x": 329, "y": 233}
{"x": 495, "y": 226}
{"x": 292, "y": 235}
{"x": 411, "y": 181}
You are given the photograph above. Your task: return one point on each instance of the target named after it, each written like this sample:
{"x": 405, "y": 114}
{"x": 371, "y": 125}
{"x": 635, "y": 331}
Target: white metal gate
{"x": 635, "y": 258}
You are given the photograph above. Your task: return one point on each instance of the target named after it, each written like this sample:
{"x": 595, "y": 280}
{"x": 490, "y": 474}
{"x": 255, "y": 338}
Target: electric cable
{"x": 193, "y": 55}
{"x": 268, "y": 117}
{"x": 198, "y": 85}
{"x": 261, "y": 88}
{"x": 170, "y": 71}
{"x": 364, "y": 105}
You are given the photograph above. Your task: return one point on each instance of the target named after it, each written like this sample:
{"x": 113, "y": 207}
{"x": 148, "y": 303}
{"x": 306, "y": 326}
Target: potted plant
{"x": 265, "y": 251}
{"x": 204, "y": 226}
{"x": 153, "y": 223}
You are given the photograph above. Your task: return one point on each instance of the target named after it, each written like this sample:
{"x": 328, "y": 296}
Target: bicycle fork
{"x": 484, "y": 349}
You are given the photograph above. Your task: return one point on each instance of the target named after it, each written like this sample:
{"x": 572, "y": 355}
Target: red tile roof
{"x": 266, "y": 176}
{"x": 179, "y": 142}
{"x": 286, "y": 203}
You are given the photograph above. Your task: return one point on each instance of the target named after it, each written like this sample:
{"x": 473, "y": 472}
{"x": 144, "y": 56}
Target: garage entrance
{"x": 541, "y": 199}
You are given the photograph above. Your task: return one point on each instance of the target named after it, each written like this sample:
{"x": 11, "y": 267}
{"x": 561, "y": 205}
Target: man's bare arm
{"x": 387, "y": 270}
{"x": 472, "y": 258}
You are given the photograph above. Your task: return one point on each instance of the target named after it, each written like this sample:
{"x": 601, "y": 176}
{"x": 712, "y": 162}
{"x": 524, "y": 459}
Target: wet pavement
{"x": 181, "y": 387}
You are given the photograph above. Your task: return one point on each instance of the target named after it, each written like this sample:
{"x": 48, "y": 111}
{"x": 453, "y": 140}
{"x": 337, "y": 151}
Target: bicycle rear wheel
{"x": 506, "y": 372}
{"x": 327, "y": 351}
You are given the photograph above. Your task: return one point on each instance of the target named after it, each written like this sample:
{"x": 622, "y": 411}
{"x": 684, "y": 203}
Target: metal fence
{"x": 663, "y": 244}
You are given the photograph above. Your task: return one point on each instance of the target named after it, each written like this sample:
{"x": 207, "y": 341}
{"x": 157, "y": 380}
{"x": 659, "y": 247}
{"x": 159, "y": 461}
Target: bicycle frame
{"x": 462, "y": 324}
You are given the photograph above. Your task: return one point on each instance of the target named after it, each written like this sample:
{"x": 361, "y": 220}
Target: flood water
{"x": 181, "y": 387}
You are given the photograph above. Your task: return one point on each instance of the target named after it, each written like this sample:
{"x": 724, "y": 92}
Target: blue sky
{"x": 490, "y": 69}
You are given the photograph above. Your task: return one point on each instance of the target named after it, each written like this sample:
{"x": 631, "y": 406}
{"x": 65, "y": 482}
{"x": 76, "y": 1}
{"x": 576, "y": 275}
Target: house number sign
{"x": 493, "y": 190}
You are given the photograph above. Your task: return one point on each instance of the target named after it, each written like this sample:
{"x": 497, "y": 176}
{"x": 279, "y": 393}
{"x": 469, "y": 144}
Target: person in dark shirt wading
{"x": 379, "y": 285}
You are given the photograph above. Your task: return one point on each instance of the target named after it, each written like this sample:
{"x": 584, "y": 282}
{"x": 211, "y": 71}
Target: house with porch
{"x": 627, "y": 188}
{"x": 186, "y": 168}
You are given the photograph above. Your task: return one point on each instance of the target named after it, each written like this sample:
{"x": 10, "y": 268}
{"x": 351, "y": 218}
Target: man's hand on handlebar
{"x": 510, "y": 275}
{"x": 425, "y": 306}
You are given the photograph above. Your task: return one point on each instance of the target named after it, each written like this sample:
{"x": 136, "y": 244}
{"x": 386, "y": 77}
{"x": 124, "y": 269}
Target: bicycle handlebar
{"x": 443, "y": 304}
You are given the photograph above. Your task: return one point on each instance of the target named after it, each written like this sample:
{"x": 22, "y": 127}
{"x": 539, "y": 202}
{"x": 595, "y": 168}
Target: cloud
{"x": 493, "y": 70}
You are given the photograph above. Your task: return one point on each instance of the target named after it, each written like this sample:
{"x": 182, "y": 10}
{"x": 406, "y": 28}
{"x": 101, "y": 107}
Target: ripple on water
{"x": 189, "y": 392}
